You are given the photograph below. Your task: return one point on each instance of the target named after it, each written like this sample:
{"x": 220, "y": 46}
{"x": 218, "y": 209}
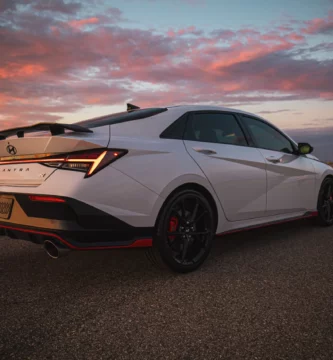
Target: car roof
{"x": 166, "y": 116}
{"x": 177, "y": 110}
{"x": 186, "y": 108}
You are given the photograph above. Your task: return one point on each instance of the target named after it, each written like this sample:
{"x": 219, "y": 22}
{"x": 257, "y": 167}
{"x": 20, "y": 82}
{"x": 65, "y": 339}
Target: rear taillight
{"x": 89, "y": 161}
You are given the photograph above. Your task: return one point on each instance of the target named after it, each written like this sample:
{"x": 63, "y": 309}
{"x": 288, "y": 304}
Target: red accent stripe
{"x": 142, "y": 243}
{"x": 313, "y": 214}
{"x": 136, "y": 244}
{"x": 46, "y": 199}
{"x": 310, "y": 215}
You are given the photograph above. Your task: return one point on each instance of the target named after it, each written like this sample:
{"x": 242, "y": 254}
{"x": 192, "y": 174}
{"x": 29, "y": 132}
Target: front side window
{"x": 266, "y": 137}
{"x": 215, "y": 128}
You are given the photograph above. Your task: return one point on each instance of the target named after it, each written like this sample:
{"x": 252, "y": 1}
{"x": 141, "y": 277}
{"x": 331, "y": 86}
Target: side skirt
{"x": 307, "y": 215}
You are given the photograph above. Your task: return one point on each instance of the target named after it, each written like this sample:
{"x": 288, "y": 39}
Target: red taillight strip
{"x": 45, "y": 160}
{"x": 140, "y": 243}
{"x": 70, "y": 158}
{"x": 46, "y": 199}
{"x": 25, "y": 157}
{"x": 31, "y": 161}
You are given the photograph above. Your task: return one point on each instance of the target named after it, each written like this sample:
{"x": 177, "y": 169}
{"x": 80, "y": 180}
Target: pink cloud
{"x": 78, "y": 24}
{"x": 27, "y": 70}
{"x": 43, "y": 73}
{"x": 285, "y": 28}
{"x": 319, "y": 26}
{"x": 239, "y": 52}
{"x": 295, "y": 37}
{"x": 191, "y": 30}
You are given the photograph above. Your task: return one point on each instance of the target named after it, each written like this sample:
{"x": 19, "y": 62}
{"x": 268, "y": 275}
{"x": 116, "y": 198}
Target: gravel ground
{"x": 264, "y": 294}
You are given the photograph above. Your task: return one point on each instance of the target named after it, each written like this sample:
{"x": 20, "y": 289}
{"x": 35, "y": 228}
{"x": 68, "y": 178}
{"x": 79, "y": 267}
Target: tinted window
{"x": 176, "y": 129}
{"x": 121, "y": 117}
{"x": 266, "y": 137}
{"x": 215, "y": 128}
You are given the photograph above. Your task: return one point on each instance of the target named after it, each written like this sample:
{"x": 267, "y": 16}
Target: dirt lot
{"x": 264, "y": 294}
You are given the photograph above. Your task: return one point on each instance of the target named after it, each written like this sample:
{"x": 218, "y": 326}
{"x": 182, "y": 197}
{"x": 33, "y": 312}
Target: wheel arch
{"x": 202, "y": 190}
{"x": 328, "y": 176}
{"x": 320, "y": 183}
{"x": 322, "y": 220}
{"x": 322, "y": 172}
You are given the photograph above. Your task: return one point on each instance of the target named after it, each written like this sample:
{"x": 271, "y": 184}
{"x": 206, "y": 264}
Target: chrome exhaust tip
{"x": 53, "y": 250}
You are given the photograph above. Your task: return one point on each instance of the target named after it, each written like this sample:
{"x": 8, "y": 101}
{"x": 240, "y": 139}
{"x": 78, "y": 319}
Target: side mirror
{"x": 304, "y": 148}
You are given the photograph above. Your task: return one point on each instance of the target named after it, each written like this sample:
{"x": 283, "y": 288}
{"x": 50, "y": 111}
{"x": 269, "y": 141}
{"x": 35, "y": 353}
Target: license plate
{"x": 6, "y": 206}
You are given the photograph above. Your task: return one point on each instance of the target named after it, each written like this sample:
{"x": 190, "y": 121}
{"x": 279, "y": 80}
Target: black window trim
{"x": 253, "y": 141}
{"x": 166, "y": 132}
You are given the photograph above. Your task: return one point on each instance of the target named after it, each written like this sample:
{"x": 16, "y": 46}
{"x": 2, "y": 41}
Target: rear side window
{"x": 176, "y": 129}
{"x": 220, "y": 128}
{"x": 121, "y": 117}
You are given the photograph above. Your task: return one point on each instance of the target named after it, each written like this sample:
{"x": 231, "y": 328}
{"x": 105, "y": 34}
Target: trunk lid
{"x": 17, "y": 149}
{"x": 24, "y": 175}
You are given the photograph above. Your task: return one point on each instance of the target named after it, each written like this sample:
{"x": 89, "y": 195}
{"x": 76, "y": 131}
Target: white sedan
{"x": 168, "y": 179}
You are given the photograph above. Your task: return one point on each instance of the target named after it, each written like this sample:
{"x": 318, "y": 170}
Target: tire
{"x": 325, "y": 203}
{"x": 189, "y": 216}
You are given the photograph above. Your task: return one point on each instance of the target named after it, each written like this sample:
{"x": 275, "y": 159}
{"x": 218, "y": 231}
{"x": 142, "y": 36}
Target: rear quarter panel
{"x": 161, "y": 165}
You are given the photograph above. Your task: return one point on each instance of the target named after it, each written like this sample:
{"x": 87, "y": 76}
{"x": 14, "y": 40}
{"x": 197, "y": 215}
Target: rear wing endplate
{"x": 54, "y": 128}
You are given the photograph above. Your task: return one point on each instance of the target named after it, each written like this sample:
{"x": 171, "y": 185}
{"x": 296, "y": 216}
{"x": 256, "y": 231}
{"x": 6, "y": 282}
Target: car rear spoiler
{"x": 54, "y": 128}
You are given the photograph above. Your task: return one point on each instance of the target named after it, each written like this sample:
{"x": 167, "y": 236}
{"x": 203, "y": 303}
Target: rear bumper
{"x": 66, "y": 240}
{"x": 71, "y": 224}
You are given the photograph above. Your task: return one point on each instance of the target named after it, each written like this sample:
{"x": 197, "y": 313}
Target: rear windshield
{"x": 121, "y": 117}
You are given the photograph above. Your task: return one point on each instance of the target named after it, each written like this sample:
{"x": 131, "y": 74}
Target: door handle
{"x": 274, "y": 159}
{"x": 205, "y": 151}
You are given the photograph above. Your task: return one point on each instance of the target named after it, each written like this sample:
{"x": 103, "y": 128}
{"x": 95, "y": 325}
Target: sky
{"x": 70, "y": 60}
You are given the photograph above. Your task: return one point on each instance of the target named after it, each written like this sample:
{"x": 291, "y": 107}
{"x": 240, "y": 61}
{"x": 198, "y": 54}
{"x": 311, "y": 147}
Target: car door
{"x": 290, "y": 176}
{"x": 216, "y": 141}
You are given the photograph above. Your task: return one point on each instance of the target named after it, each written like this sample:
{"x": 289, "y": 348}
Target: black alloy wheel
{"x": 184, "y": 232}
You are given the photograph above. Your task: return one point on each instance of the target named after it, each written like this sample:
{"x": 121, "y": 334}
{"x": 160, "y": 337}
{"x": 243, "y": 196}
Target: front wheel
{"x": 184, "y": 232}
{"x": 325, "y": 203}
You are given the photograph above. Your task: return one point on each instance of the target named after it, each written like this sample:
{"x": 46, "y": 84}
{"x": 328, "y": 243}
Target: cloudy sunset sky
{"x": 72, "y": 60}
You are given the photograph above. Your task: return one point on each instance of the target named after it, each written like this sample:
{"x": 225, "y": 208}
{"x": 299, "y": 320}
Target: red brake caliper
{"x": 173, "y": 224}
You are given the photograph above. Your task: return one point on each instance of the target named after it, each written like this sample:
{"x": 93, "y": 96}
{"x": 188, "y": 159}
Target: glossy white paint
{"x": 161, "y": 166}
{"x": 27, "y": 175}
{"x": 247, "y": 188}
{"x": 233, "y": 170}
{"x": 290, "y": 183}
